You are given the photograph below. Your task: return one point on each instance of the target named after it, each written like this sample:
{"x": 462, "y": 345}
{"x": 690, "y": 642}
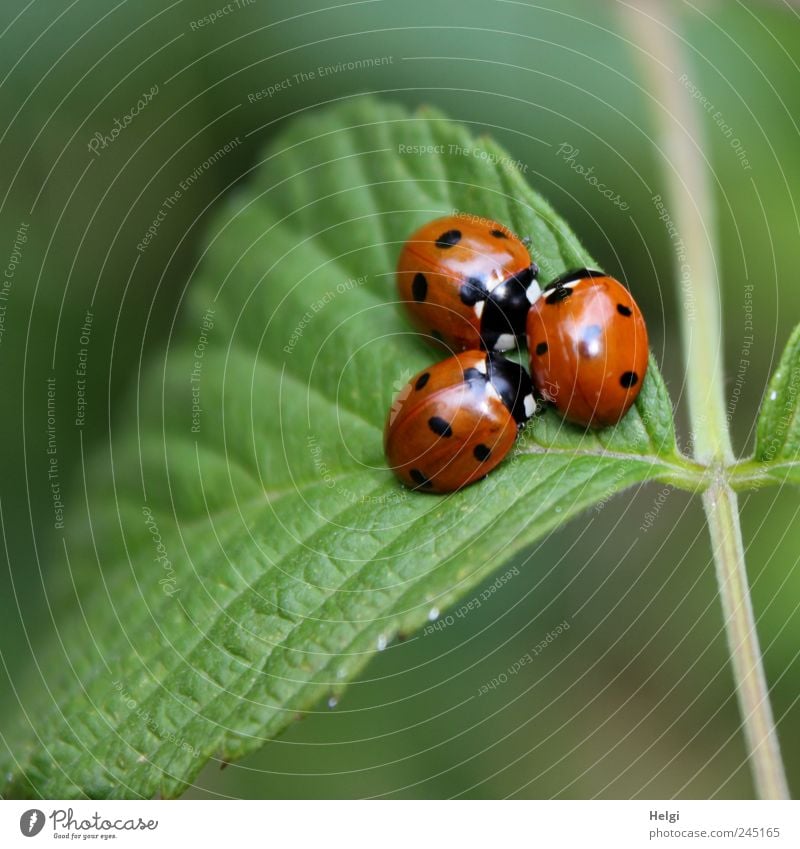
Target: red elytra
{"x": 467, "y": 282}
{"x": 455, "y": 421}
{"x": 587, "y": 342}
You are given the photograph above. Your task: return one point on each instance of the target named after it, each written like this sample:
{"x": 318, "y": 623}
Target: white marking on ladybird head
{"x": 493, "y": 280}
{"x": 505, "y": 341}
{"x": 492, "y": 391}
{"x": 479, "y": 308}
{"x": 530, "y": 405}
{"x": 533, "y": 292}
{"x": 481, "y": 366}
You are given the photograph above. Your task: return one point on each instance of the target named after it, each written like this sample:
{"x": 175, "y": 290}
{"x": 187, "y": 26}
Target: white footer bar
{"x": 402, "y": 824}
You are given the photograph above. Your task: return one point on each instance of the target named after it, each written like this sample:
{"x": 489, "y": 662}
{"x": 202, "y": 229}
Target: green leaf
{"x": 777, "y": 451}
{"x": 227, "y": 578}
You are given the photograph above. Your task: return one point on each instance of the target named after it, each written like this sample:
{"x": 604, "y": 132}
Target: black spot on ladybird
{"x": 482, "y": 452}
{"x": 420, "y": 479}
{"x": 440, "y": 426}
{"x": 472, "y": 291}
{"x": 448, "y": 239}
{"x": 422, "y": 380}
{"x": 628, "y": 379}
{"x": 558, "y": 294}
{"x": 623, "y": 310}
{"x": 419, "y": 288}
{"x": 541, "y": 348}
{"x": 499, "y": 234}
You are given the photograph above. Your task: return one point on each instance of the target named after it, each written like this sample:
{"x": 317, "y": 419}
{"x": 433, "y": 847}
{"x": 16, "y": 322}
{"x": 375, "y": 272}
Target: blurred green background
{"x": 636, "y": 697}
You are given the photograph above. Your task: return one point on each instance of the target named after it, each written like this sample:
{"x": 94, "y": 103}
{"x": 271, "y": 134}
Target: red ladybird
{"x": 455, "y": 421}
{"x": 467, "y": 282}
{"x": 588, "y": 350}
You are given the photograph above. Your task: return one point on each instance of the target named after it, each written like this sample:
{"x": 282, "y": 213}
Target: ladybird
{"x": 467, "y": 283}
{"x": 587, "y": 343}
{"x": 452, "y": 423}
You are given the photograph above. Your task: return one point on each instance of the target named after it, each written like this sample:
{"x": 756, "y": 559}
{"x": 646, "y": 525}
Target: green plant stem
{"x": 722, "y": 509}
{"x": 751, "y": 474}
{"x": 690, "y": 206}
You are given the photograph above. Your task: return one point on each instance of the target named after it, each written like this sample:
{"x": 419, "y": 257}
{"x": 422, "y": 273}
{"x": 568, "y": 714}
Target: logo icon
{"x": 31, "y": 822}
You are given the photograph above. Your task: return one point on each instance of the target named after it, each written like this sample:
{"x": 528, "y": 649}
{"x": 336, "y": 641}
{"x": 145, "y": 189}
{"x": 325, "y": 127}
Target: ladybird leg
{"x": 527, "y": 241}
